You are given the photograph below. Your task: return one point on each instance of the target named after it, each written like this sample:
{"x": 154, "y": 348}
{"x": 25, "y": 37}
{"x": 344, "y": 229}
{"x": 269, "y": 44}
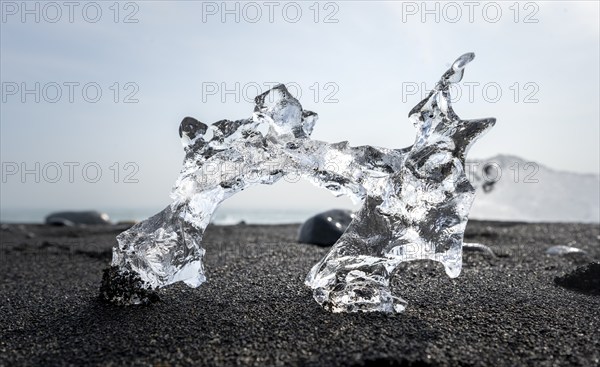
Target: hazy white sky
{"x": 361, "y": 65}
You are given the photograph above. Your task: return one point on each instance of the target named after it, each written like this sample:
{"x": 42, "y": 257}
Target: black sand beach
{"x": 254, "y": 310}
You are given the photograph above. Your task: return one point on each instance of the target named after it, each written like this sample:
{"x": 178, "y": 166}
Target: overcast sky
{"x": 113, "y": 82}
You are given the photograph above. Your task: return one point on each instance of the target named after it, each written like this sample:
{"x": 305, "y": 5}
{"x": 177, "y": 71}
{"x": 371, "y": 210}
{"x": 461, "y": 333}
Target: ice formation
{"x": 416, "y": 200}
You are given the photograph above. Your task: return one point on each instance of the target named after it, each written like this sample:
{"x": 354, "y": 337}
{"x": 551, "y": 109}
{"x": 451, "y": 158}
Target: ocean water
{"x": 223, "y": 216}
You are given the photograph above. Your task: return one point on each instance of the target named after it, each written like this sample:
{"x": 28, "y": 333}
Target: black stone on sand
{"x": 255, "y": 310}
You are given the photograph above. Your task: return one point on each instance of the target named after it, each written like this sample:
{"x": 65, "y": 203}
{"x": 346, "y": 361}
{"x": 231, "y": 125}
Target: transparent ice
{"x": 415, "y": 201}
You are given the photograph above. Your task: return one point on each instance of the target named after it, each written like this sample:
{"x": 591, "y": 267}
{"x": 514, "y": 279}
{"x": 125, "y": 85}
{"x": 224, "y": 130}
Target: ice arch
{"x": 416, "y": 200}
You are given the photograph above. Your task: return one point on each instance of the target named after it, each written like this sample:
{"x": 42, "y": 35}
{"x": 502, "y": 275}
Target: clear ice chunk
{"x": 415, "y": 201}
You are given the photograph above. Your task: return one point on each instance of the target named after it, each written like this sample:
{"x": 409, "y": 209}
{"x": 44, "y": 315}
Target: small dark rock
{"x": 125, "y": 288}
{"x": 584, "y": 279}
{"x": 326, "y": 228}
{"x": 486, "y": 232}
{"x": 74, "y": 218}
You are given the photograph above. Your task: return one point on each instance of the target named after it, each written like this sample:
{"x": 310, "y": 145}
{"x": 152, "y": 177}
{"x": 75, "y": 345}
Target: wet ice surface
{"x": 415, "y": 201}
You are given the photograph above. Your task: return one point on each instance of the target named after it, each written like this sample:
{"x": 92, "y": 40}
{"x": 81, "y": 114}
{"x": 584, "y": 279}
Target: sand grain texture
{"x": 254, "y": 309}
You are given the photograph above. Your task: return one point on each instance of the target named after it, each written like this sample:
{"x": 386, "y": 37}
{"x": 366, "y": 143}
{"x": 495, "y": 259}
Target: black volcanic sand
{"x": 254, "y": 309}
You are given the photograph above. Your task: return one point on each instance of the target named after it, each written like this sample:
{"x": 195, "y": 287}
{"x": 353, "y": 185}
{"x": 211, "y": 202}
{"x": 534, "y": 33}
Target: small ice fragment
{"x": 478, "y": 247}
{"x": 563, "y": 250}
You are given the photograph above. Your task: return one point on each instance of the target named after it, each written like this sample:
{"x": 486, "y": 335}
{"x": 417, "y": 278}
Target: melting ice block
{"x": 415, "y": 201}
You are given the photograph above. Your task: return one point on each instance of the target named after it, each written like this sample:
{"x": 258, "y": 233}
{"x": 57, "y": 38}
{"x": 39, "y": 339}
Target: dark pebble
{"x": 74, "y": 218}
{"x": 326, "y": 228}
{"x": 584, "y": 279}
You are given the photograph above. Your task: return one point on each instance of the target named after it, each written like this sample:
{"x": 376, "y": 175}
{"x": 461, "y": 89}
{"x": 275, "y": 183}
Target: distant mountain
{"x": 511, "y": 188}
